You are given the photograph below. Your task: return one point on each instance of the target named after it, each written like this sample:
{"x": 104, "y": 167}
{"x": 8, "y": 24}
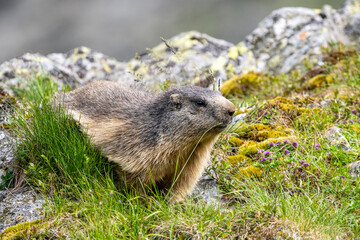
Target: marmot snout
{"x": 154, "y": 138}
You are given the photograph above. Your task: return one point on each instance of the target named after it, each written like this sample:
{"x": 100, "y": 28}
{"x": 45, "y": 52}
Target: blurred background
{"x": 120, "y": 28}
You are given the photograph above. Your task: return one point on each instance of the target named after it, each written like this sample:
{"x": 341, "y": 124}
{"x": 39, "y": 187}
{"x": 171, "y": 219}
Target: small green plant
{"x": 7, "y": 179}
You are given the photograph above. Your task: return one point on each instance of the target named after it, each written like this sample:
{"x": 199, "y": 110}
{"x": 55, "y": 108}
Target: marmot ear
{"x": 175, "y": 100}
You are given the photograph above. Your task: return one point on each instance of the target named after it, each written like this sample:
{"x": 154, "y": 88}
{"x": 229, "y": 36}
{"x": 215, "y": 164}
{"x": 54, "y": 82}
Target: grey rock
{"x": 325, "y": 103}
{"x": 334, "y": 136}
{"x": 187, "y": 58}
{"x": 2, "y": 173}
{"x": 73, "y": 69}
{"x": 351, "y": 12}
{"x": 291, "y": 35}
{"x": 6, "y": 152}
{"x": 282, "y": 42}
{"x": 207, "y": 190}
{"x": 354, "y": 168}
{"x": 19, "y": 207}
{"x": 15, "y": 207}
{"x": 239, "y": 117}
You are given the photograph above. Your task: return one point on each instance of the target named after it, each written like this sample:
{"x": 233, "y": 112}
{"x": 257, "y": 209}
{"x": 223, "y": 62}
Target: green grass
{"x": 290, "y": 200}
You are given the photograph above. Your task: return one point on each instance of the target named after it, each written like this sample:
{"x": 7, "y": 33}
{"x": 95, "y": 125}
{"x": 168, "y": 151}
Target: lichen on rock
{"x": 354, "y": 168}
{"x": 187, "y": 58}
{"x": 288, "y": 36}
{"x": 74, "y": 68}
{"x": 21, "y": 206}
{"x": 334, "y": 136}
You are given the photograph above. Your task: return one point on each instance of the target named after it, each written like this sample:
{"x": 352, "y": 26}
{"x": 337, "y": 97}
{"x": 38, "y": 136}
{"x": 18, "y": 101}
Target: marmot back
{"x": 153, "y": 138}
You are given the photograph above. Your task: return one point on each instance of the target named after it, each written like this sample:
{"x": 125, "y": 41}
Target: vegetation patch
{"x": 280, "y": 176}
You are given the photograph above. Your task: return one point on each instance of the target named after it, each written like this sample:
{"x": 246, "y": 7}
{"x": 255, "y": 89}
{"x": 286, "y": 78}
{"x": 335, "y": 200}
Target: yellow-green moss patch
{"x": 252, "y": 147}
{"x": 250, "y": 171}
{"x": 237, "y": 158}
{"x": 261, "y": 132}
{"x": 319, "y": 81}
{"x": 17, "y": 231}
{"x": 356, "y": 129}
{"x": 236, "y": 142}
{"x": 238, "y": 85}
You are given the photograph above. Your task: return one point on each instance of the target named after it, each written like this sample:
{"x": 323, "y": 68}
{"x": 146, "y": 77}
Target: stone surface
{"x": 19, "y": 207}
{"x": 351, "y": 12}
{"x": 334, "y": 136}
{"x": 2, "y": 173}
{"x": 15, "y": 206}
{"x": 207, "y": 190}
{"x": 285, "y": 40}
{"x": 74, "y": 68}
{"x": 187, "y": 58}
{"x": 6, "y": 152}
{"x": 354, "y": 168}
{"x": 290, "y": 36}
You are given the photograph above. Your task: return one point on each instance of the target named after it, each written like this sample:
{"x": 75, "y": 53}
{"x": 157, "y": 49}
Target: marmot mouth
{"x": 221, "y": 126}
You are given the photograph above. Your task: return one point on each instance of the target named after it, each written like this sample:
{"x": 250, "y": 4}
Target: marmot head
{"x": 194, "y": 111}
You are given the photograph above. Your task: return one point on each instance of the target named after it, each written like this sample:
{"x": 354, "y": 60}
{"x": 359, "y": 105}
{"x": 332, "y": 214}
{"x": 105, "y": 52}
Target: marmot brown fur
{"x": 153, "y": 138}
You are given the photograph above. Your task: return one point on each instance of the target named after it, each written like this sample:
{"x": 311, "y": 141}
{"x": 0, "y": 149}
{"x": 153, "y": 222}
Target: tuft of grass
{"x": 51, "y": 147}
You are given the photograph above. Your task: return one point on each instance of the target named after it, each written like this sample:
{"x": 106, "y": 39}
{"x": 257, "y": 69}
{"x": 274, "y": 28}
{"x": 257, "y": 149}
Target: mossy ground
{"x": 280, "y": 177}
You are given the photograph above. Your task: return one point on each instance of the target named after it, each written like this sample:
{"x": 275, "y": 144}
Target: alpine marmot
{"x": 154, "y": 138}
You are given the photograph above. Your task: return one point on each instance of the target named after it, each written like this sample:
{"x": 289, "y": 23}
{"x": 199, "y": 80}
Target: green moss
{"x": 266, "y": 134}
{"x": 234, "y": 141}
{"x": 252, "y": 147}
{"x": 258, "y": 127}
{"x": 241, "y": 111}
{"x": 237, "y": 158}
{"x": 240, "y": 84}
{"x": 241, "y": 128}
{"x": 286, "y": 104}
{"x": 356, "y": 129}
{"x": 261, "y": 132}
{"x": 18, "y": 231}
{"x": 319, "y": 81}
{"x": 279, "y": 100}
{"x": 250, "y": 171}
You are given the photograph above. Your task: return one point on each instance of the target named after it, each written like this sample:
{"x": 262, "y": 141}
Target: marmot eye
{"x": 200, "y": 103}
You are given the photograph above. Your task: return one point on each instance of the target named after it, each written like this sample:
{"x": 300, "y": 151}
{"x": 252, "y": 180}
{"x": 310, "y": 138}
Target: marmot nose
{"x": 230, "y": 107}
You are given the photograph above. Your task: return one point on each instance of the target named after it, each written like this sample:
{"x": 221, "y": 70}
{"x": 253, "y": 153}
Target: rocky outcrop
{"x": 283, "y": 41}
{"x": 335, "y": 138}
{"x": 188, "y": 58}
{"x": 74, "y": 68}
{"x": 354, "y": 168}
{"x": 19, "y": 206}
{"x": 16, "y": 204}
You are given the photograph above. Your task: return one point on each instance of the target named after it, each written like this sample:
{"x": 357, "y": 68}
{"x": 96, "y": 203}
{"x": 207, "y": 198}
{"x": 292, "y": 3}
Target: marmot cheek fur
{"x": 152, "y": 137}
